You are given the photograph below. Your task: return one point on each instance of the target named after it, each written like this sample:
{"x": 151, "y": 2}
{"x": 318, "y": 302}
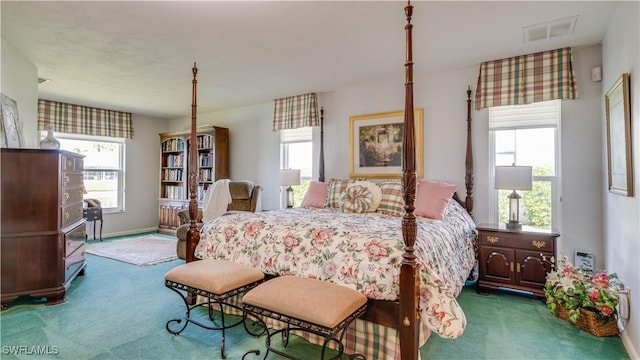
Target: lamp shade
{"x": 513, "y": 177}
{"x": 290, "y": 177}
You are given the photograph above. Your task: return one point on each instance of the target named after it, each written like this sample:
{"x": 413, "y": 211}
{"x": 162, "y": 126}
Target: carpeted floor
{"x": 119, "y": 311}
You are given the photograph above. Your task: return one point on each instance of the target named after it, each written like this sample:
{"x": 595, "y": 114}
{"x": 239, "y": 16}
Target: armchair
{"x": 245, "y": 196}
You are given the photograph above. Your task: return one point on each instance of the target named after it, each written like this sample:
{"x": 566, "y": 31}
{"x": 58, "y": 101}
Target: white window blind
{"x": 290, "y": 136}
{"x": 534, "y": 115}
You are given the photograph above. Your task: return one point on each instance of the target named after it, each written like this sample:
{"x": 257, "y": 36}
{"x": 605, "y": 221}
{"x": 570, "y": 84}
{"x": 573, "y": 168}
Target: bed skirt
{"x": 375, "y": 341}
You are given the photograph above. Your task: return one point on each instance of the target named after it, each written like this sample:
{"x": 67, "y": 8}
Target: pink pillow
{"x": 432, "y": 198}
{"x": 316, "y": 195}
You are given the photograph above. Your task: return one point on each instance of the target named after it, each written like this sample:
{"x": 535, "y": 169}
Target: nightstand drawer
{"x": 528, "y": 242}
{"x": 92, "y": 213}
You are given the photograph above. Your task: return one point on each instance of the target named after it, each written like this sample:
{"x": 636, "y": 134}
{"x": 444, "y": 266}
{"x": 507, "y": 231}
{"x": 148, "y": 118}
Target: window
{"x": 103, "y": 167}
{"x": 528, "y": 135}
{"x": 296, "y": 152}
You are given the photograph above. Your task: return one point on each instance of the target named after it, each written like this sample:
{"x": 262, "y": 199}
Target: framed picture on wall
{"x": 375, "y": 144}
{"x": 618, "y": 113}
{"x": 11, "y": 126}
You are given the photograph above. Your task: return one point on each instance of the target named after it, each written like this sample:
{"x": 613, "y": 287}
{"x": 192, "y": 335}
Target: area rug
{"x": 141, "y": 251}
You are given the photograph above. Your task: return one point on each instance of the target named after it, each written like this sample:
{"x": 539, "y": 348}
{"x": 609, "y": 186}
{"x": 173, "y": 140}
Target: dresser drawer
{"x": 70, "y": 179}
{"x": 72, "y": 163}
{"x": 75, "y": 238}
{"x": 74, "y": 261}
{"x": 75, "y": 247}
{"x": 528, "y": 242}
{"x": 71, "y": 195}
{"x": 71, "y": 214}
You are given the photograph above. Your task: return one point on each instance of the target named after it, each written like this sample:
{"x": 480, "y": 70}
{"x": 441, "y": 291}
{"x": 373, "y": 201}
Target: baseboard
{"x": 130, "y": 232}
{"x": 628, "y": 345}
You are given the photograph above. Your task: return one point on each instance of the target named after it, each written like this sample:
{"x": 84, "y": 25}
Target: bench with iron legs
{"x": 305, "y": 304}
{"x": 217, "y": 281}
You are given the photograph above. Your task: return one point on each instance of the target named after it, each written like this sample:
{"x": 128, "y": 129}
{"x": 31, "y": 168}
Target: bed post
{"x": 193, "y": 236}
{"x": 321, "y": 165}
{"x": 408, "y": 321}
{"x": 468, "y": 178}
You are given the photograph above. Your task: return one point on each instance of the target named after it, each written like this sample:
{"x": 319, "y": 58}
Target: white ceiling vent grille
{"x": 548, "y": 30}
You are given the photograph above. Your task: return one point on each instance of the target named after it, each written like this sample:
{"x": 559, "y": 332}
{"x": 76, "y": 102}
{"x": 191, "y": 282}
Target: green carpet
{"x": 119, "y": 311}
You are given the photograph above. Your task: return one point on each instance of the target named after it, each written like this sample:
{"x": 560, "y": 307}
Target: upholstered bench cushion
{"x": 307, "y": 299}
{"x": 215, "y": 276}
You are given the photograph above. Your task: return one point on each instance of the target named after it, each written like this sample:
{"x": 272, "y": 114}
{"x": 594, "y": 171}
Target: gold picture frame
{"x": 375, "y": 144}
{"x": 618, "y": 114}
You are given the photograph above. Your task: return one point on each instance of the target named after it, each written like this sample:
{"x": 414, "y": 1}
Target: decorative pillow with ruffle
{"x": 360, "y": 197}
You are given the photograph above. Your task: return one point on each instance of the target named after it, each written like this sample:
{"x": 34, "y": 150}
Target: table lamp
{"x": 514, "y": 178}
{"x": 287, "y": 178}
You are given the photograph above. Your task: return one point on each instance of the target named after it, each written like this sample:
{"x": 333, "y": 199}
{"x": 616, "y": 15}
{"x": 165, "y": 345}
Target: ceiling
{"x": 137, "y": 56}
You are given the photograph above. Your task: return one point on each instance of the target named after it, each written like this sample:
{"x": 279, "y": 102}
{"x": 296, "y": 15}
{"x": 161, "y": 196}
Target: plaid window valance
{"x": 525, "y": 79}
{"x": 76, "y": 119}
{"x": 295, "y": 111}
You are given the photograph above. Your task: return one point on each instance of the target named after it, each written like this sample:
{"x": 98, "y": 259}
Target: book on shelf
{"x": 173, "y": 145}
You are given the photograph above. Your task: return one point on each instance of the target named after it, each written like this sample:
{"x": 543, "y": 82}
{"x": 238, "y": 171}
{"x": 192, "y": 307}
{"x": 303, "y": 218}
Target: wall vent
{"x": 548, "y": 30}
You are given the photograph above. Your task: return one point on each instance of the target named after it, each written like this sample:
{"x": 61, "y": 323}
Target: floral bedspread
{"x": 360, "y": 251}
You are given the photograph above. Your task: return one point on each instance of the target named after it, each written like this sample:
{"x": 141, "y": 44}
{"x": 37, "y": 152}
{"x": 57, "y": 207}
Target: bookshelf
{"x": 213, "y": 164}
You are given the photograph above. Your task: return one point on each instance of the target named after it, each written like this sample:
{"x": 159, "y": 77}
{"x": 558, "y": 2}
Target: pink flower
{"x": 321, "y": 236}
{"x": 253, "y": 228}
{"x": 600, "y": 280}
{"x": 594, "y": 295}
{"x": 228, "y": 232}
{"x": 371, "y": 291}
{"x": 375, "y": 249}
{"x": 605, "y": 310}
{"x": 289, "y": 241}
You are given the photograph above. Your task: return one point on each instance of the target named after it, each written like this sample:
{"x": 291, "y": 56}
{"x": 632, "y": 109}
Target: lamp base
{"x": 514, "y": 226}
{"x": 290, "y": 199}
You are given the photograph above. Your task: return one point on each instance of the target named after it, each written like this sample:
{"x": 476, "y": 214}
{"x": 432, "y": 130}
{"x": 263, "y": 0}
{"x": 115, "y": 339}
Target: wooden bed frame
{"x": 401, "y": 314}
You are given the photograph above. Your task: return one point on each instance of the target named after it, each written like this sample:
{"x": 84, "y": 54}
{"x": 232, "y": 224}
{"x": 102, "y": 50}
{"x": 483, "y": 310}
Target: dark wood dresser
{"x": 42, "y": 228}
{"x": 514, "y": 259}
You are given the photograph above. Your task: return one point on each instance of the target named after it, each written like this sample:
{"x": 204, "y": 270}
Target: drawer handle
{"x": 538, "y": 244}
{"x": 66, "y": 215}
{"x": 66, "y": 196}
{"x": 518, "y": 267}
{"x": 66, "y": 179}
{"x": 406, "y": 321}
{"x": 493, "y": 239}
{"x": 511, "y": 266}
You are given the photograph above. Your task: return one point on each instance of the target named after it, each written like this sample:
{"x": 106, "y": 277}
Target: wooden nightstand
{"x": 514, "y": 259}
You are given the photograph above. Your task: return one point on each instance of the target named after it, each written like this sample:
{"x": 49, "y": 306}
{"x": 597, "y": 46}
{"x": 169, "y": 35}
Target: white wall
{"x": 20, "y": 82}
{"x": 581, "y": 137}
{"x": 622, "y": 214}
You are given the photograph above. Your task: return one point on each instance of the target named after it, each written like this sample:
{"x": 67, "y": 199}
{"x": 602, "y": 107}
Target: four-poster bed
{"x": 409, "y": 312}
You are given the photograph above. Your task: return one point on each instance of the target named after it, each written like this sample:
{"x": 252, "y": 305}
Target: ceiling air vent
{"x": 548, "y": 30}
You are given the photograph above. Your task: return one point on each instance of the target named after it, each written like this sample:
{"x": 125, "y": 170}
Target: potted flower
{"x": 584, "y": 298}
